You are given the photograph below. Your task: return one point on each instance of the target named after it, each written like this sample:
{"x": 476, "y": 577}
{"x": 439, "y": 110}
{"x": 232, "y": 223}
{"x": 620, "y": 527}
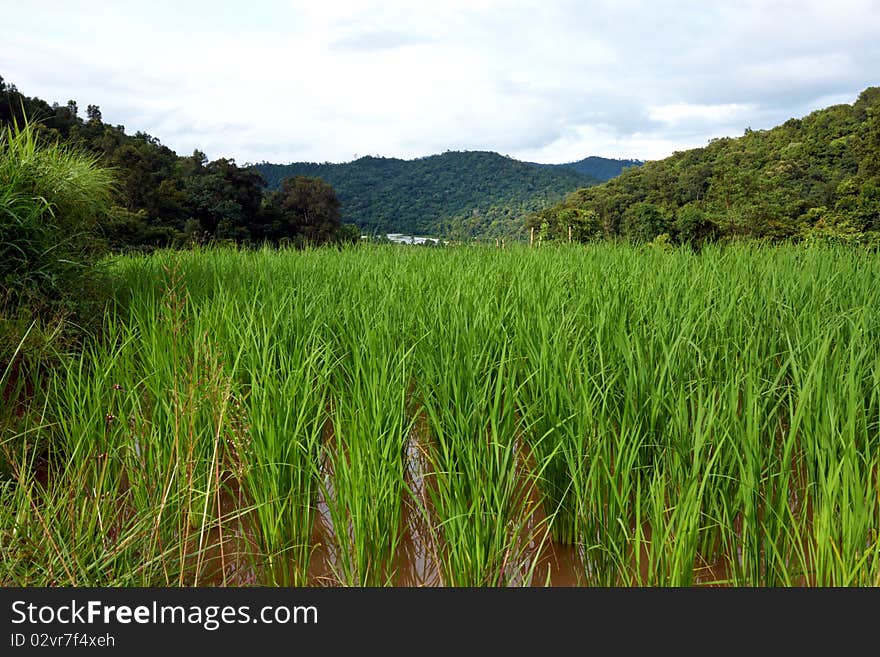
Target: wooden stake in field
{"x": 532, "y": 236}
{"x": 569, "y": 233}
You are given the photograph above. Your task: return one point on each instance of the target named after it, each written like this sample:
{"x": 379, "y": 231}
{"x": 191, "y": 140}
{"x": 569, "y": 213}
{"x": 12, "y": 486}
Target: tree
{"x": 586, "y": 224}
{"x": 644, "y": 221}
{"x": 304, "y": 209}
{"x": 222, "y": 197}
{"x": 93, "y": 112}
{"x": 348, "y": 234}
{"x": 693, "y": 227}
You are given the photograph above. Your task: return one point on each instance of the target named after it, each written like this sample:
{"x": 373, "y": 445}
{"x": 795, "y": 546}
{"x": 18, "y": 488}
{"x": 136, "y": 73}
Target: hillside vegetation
{"x": 817, "y": 177}
{"x": 457, "y": 194}
{"x": 599, "y": 168}
{"x": 163, "y": 199}
{"x": 166, "y": 199}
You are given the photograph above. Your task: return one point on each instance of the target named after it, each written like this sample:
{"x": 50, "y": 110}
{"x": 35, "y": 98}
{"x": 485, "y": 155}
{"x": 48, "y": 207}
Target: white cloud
{"x": 552, "y": 81}
{"x": 688, "y": 113}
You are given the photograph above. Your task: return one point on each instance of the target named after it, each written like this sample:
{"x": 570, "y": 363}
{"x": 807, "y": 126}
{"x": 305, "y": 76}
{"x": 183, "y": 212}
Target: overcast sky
{"x": 544, "y": 80}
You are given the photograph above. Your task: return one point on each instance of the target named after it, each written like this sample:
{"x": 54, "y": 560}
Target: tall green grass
{"x": 677, "y": 419}
{"x": 51, "y": 198}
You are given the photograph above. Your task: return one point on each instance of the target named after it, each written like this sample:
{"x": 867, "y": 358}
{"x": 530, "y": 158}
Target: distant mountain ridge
{"x": 456, "y": 194}
{"x": 162, "y": 198}
{"x": 599, "y": 168}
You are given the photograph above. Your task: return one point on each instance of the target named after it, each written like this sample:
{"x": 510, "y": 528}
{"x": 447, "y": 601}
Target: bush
{"x": 51, "y": 200}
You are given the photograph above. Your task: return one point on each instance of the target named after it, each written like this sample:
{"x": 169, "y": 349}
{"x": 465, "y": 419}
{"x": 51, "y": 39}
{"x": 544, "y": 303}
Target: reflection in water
{"x": 540, "y": 561}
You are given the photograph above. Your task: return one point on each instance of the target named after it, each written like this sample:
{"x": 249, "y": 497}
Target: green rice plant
{"x": 673, "y": 418}
{"x": 280, "y": 445}
{"x": 467, "y": 386}
{"x": 372, "y": 418}
{"x": 558, "y": 415}
{"x": 371, "y": 429}
{"x": 476, "y": 494}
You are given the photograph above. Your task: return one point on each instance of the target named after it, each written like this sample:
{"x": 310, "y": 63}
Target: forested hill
{"x": 161, "y": 199}
{"x": 458, "y": 194}
{"x": 599, "y": 168}
{"x": 816, "y": 177}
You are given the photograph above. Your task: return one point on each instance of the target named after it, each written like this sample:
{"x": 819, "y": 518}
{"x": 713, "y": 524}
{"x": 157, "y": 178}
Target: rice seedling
{"x": 674, "y": 419}
{"x": 279, "y": 445}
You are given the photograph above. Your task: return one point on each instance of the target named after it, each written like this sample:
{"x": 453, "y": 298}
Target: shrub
{"x": 52, "y": 197}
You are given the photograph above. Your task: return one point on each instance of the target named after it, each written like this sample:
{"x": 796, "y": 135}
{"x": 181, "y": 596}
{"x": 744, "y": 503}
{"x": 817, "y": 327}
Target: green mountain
{"x": 458, "y": 194}
{"x": 817, "y": 177}
{"x": 598, "y": 168}
{"x": 163, "y": 198}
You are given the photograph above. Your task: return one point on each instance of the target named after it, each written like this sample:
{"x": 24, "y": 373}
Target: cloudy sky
{"x": 542, "y": 80}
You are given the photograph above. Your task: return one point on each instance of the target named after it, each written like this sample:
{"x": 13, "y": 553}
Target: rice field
{"x": 600, "y": 416}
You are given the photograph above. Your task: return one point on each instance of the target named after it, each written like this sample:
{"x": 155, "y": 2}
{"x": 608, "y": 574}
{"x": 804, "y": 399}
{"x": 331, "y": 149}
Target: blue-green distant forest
{"x": 165, "y": 199}
{"x": 459, "y": 194}
{"x": 815, "y": 177}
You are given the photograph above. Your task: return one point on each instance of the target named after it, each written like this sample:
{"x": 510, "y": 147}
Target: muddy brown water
{"x": 229, "y": 550}
{"x": 227, "y": 553}
{"x": 415, "y": 562}
{"x": 542, "y": 561}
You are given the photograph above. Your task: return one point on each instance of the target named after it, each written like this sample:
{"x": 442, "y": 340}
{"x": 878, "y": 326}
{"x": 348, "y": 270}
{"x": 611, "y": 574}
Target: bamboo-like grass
{"x": 681, "y": 419}
{"x": 51, "y": 197}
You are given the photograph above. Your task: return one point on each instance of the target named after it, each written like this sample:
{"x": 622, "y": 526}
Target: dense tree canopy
{"x": 162, "y": 199}
{"x": 304, "y": 209}
{"x": 813, "y": 178}
{"x": 456, "y": 194}
{"x": 165, "y": 199}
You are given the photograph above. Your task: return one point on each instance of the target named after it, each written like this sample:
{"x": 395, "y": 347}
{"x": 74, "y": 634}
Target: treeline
{"x": 815, "y": 178}
{"x": 599, "y": 168}
{"x": 162, "y": 199}
{"x": 458, "y": 194}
